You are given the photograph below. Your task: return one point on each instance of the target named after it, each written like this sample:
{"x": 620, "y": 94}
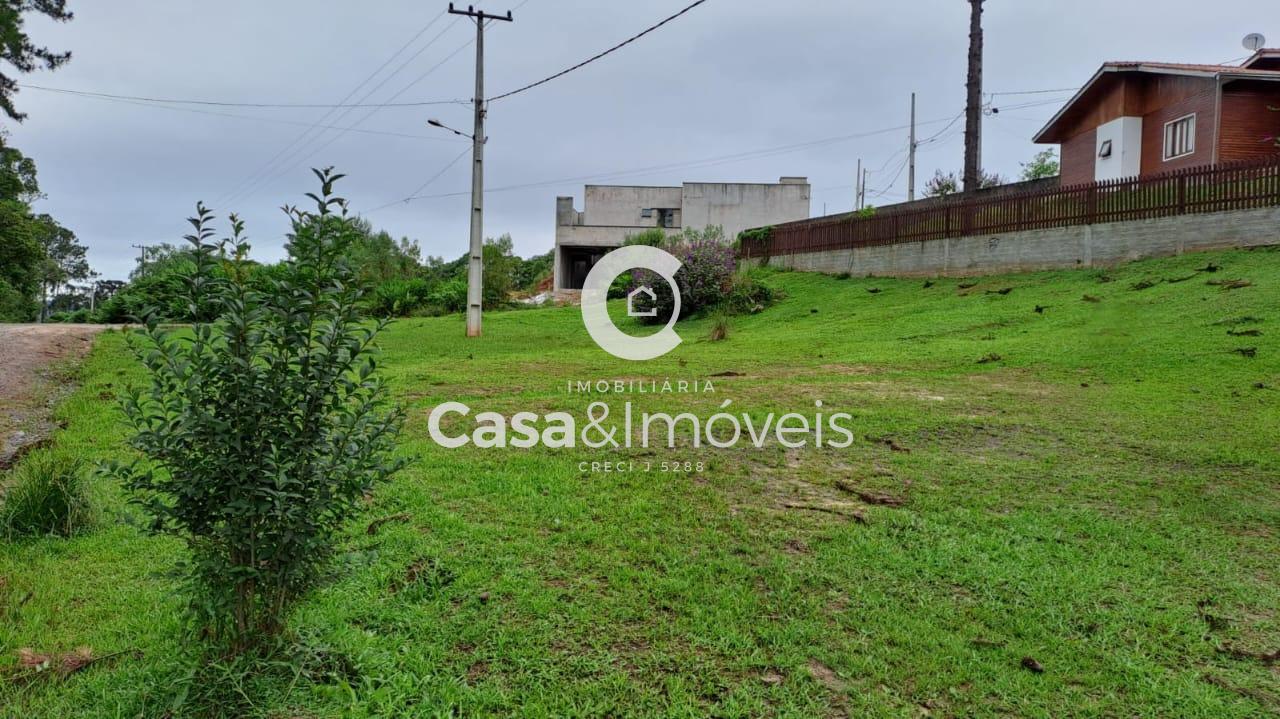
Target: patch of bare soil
{"x": 28, "y": 354}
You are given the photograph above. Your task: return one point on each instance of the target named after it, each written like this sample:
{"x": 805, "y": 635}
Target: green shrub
{"x": 500, "y": 264}
{"x": 747, "y": 295}
{"x": 529, "y": 274}
{"x": 653, "y": 237}
{"x": 757, "y": 234}
{"x": 262, "y": 429}
{"x": 160, "y": 292}
{"x": 450, "y": 296}
{"x": 621, "y": 287}
{"x": 399, "y": 298}
{"x": 14, "y": 306}
{"x": 47, "y": 494}
{"x": 79, "y": 316}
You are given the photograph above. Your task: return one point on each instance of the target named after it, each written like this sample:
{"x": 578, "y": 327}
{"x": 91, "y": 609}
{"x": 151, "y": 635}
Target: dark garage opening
{"x": 578, "y": 261}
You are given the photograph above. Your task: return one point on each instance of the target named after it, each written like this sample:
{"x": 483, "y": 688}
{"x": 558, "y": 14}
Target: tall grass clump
{"x": 261, "y": 430}
{"x": 720, "y": 328}
{"x": 46, "y": 494}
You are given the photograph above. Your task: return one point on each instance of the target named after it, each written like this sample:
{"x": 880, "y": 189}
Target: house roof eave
{"x": 1046, "y": 134}
{"x": 1040, "y": 136}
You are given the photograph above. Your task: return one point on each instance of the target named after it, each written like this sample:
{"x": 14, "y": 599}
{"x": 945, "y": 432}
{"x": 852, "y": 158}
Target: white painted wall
{"x": 611, "y": 213}
{"x": 1125, "y": 134}
{"x": 737, "y": 207}
{"x": 621, "y": 205}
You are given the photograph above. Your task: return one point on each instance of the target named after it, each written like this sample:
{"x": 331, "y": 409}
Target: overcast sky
{"x": 729, "y": 78}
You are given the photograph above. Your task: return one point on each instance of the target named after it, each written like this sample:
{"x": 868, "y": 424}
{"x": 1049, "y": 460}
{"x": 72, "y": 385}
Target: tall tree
{"x": 16, "y": 47}
{"x": 1044, "y": 164}
{"x": 17, "y": 173}
{"x": 21, "y": 254}
{"x": 21, "y": 258}
{"x": 944, "y": 184}
{"x": 64, "y": 257}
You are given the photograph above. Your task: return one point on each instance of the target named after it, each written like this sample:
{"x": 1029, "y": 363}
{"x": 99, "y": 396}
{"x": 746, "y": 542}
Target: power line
{"x": 894, "y": 181}
{"x": 1036, "y": 92}
{"x": 294, "y": 157}
{"x": 254, "y": 178}
{"x": 297, "y": 157}
{"x": 1028, "y": 105}
{"x": 274, "y": 120}
{"x": 592, "y": 59}
{"x": 704, "y": 162}
{"x": 414, "y": 195}
{"x": 725, "y": 159}
{"x": 213, "y": 103}
{"x": 935, "y": 136}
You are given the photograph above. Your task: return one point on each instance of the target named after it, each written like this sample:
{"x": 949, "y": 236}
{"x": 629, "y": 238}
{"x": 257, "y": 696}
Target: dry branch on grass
{"x": 884, "y": 500}
{"x": 838, "y": 510}
{"x": 376, "y": 524}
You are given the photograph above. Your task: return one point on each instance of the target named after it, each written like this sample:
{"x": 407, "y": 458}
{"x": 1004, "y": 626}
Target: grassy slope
{"x": 1085, "y": 501}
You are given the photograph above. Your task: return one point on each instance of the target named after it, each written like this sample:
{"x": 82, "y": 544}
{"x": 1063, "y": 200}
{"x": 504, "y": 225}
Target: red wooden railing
{"x": 1241, "y": 185}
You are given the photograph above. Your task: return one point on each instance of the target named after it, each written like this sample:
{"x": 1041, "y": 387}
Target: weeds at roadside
{"x": 47, "y": 494}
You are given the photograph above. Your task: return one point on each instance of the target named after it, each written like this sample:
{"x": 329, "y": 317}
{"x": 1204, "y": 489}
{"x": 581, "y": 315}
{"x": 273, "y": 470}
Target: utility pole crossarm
{"x": 472, "y": 12}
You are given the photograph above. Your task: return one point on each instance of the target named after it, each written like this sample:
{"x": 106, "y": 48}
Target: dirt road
{"x": 27, "y": 389}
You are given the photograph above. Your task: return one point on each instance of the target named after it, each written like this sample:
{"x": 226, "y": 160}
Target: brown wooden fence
{"x": 1232, "y": 186}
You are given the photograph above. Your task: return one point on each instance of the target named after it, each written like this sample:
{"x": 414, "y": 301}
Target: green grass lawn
{"x": 1102, "y": 501}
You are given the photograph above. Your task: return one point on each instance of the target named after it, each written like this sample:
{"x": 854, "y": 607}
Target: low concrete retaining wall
{"x": 1060, "y": 248}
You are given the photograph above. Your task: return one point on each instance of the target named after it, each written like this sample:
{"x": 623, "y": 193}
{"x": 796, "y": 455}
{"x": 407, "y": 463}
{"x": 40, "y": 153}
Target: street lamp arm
{"x": 436, "y": 123}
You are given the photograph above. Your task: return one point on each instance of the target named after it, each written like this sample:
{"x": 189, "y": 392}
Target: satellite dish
{"x": 1254, "y": 42}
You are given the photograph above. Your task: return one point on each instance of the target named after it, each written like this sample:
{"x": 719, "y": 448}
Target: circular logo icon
{"x": 595, "y": 297}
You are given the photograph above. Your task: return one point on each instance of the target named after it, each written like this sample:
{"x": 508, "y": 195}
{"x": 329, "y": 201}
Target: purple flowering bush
{"x": 705, "y": 280}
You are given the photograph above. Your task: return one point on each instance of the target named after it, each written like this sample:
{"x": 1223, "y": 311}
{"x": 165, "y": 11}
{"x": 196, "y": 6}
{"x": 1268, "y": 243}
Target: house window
{"x": 646, "y": 213}
{"x": 667, "y": 218}
{"x": 1180, "y": 137}
{"x": 1105, "y": 150}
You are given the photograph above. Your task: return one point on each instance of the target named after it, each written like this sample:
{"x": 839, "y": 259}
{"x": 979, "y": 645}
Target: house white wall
{"x": 737, "y": 207}
{"x": 612, "y": 213}
{"x": 610, "y": 205}
{"x": 1125, "y": 136}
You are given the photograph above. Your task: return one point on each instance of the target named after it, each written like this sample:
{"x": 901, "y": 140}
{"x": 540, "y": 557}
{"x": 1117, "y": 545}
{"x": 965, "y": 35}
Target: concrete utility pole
{"x": 911, "y": 157}
{"x": 857, "y": 188}
{"x": 475, "y": 271}
{"x": 973, "y": 109}
{"x": 142, "y": 254}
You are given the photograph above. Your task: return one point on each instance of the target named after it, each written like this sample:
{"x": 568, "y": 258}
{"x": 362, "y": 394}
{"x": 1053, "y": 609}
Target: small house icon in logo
{"x": 653, "y": 302}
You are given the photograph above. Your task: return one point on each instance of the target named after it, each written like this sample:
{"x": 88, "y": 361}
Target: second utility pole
{"x": 911, "y": 158}
{"x": 475, "y": 269}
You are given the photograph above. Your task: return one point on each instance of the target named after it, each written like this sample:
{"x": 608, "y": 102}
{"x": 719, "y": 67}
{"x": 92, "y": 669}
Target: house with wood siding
{"x": 1144, "y": 118}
